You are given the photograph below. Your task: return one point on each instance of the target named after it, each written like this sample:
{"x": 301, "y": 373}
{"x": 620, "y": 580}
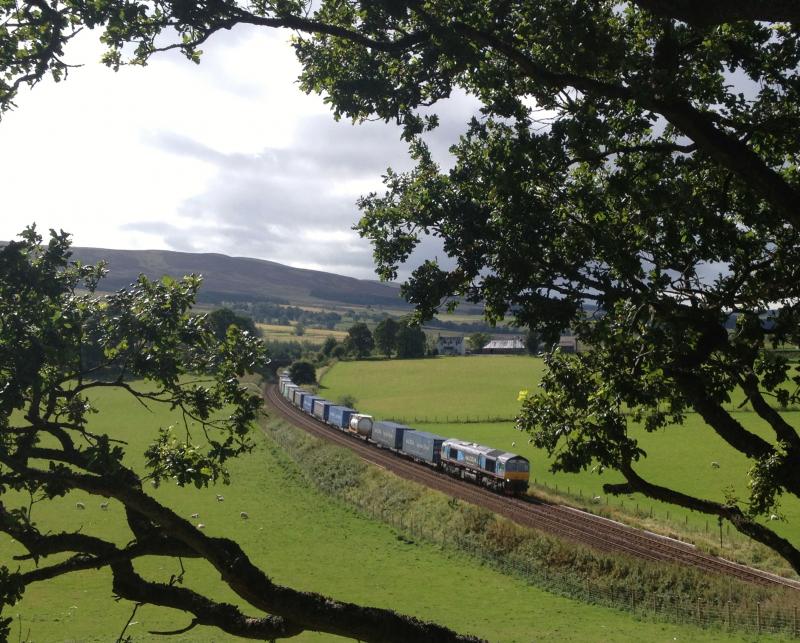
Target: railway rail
{"x": 565, "y": 522}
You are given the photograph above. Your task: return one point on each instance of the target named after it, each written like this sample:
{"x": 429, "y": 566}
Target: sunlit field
{"x": 303, "y": 539}
{"x": 475, "y": 398}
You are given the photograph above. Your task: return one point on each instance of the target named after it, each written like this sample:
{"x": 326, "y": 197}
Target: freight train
{"x": 498, "y": 470}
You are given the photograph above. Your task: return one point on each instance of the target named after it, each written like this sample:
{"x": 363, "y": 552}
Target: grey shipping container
{"x": 297, "y": 397}
{"x": 389, "y": 434}
{"x": 288, "y": 391}
{"x": 339, "y": 416}
{"x": 321, "y": 408}
{"x": 423, "y": 445}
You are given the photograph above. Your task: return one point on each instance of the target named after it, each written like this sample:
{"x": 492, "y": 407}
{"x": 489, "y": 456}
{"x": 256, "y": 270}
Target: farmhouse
{"x": 450, "y": 345}
{"x": 505, "y": 346}
{"x": 569, "y": 344}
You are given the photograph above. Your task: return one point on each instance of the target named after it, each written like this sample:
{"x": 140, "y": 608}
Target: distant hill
{"x": 239, "y": 278}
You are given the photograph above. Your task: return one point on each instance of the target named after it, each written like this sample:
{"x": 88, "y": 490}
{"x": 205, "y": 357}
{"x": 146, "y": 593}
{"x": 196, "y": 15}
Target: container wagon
{"x": 389, "y": 434}
{"x": 423, "y": 446}
{"x": 321, "y": 408}
{"x": 308, "y": 403}
{"x": 339, "y": 416}
{"x": 361, "y": 424}
{"x": 299, "y": 394}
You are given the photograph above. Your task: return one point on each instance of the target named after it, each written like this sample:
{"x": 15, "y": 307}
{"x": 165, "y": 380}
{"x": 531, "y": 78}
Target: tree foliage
{"x": 153, "y": 348}
{"x": 303, "y": 372}
{"x": 385, "y": 336}
{"x": 532, "y": 342}
{"x": 411, "y": 341}
{"x": 221, "y": 319}
{"x": 360, "y": 339}
{"x": 476, "y": 341}
{"x": 633, "y": 175}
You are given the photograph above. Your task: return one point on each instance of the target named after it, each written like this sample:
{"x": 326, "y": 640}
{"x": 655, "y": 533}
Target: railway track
{"x": 565, "y": 522}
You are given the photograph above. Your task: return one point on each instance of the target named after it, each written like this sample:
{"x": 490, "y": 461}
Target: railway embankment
{"x": 650, "y": 589}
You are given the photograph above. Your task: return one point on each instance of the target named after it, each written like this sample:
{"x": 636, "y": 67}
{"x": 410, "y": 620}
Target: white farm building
{"x": 450, "y": 345}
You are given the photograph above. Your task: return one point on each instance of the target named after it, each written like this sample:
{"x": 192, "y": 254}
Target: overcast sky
{"x": 228, "y": 156}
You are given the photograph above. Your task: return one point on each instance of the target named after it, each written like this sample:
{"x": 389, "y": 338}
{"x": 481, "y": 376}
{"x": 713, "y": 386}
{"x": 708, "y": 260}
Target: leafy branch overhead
{"x": 59, "y": 343}
{"x": 633, "y": 175}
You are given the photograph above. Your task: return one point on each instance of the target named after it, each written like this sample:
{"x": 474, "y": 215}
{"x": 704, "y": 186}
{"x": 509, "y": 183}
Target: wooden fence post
{"x": 758, "y": 617}
{"x": 794, "y": 626}
{"x": 730, "y": 621}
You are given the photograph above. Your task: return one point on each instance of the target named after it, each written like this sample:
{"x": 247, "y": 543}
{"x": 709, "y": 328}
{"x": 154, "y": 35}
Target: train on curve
{"x": 498, "y": 470}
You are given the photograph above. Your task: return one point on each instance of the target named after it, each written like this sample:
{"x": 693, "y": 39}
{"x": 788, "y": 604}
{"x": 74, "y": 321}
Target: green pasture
{"x": 437, "y": 389}
{"x": 304, "y": 539}
{"x": 452, "y": 396}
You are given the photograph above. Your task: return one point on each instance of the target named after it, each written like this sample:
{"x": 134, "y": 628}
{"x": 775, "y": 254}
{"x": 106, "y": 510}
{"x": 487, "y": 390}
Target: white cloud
{"x": 228, "y": 156}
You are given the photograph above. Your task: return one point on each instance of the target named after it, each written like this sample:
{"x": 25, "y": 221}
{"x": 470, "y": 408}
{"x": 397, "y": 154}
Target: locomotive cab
{"x": 515, "y": 471}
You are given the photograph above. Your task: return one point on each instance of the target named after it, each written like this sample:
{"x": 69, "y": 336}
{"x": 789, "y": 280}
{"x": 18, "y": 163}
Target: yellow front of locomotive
{"x": 516, "y": 474}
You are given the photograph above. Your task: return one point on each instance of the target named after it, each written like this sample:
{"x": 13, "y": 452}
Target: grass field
{"x": 303, "y": 539}
{"x": 440, "y": 394}
{"x": 287, "y": 333}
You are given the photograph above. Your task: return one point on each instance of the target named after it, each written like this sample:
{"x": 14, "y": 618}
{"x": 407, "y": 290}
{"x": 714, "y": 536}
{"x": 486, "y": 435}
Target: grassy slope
{"x": 486, "y": 386}
{"x": 305, "y": 540}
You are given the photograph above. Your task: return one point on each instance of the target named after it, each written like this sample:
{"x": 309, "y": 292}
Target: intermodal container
{"x": 389, "y": 434}
{"x": 321, "y": 407}
{"x": 339, "y": 416}
{"x": 423, "y": 446}
{"x": 297, "y": 397}
{"x": 308, "y": 403}
{"x": 288, "y": 391}
{"x": 361, "y": 424}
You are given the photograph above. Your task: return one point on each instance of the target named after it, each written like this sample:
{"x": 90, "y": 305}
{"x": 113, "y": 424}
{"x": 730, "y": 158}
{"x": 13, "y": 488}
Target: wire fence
{"x": 675, "y": 608}
{"x": 733, "y": 614}
{"x": 451, "y": 419}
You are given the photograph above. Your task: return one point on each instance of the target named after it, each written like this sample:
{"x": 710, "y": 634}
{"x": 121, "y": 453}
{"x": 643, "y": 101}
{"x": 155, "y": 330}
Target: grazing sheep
{"x": 195, "y": 515}
{"x": 200, "y": 525}
{"x": 220, "y": 498}
{"x": 773, "y": 516}
{"x": 80, "y": 505}
{"x": 596, "y": 499}
{"x": 243, "y": 515}
{"x": 513, "y": 444}
{"x": 104, "y": 506}
{"x": 715, "y": 465}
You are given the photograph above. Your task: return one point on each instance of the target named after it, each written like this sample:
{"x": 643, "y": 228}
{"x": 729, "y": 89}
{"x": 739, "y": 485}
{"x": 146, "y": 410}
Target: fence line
{"x": 675, "y": 608}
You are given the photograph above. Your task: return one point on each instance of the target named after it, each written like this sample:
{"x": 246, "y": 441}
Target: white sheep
{"x": 200, "y": 525}
{"x": 513, "y": 444}
{"x": 596, "y": 499}
{"x": 80, "y": 505}
{"x": 104, "y": 506}
{"x": 715, "y": 465}
{"x": 195, "y": 515}
{"x": 220, "y": 498}
{"x": 244, "y": 515}
{"x": 773, "y": 517}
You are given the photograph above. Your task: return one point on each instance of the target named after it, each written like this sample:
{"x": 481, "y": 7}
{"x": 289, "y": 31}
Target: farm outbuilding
{"x": 450, "y": 345}
{"x": 513, "y": 346}
{"x": 570, "y": 344}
